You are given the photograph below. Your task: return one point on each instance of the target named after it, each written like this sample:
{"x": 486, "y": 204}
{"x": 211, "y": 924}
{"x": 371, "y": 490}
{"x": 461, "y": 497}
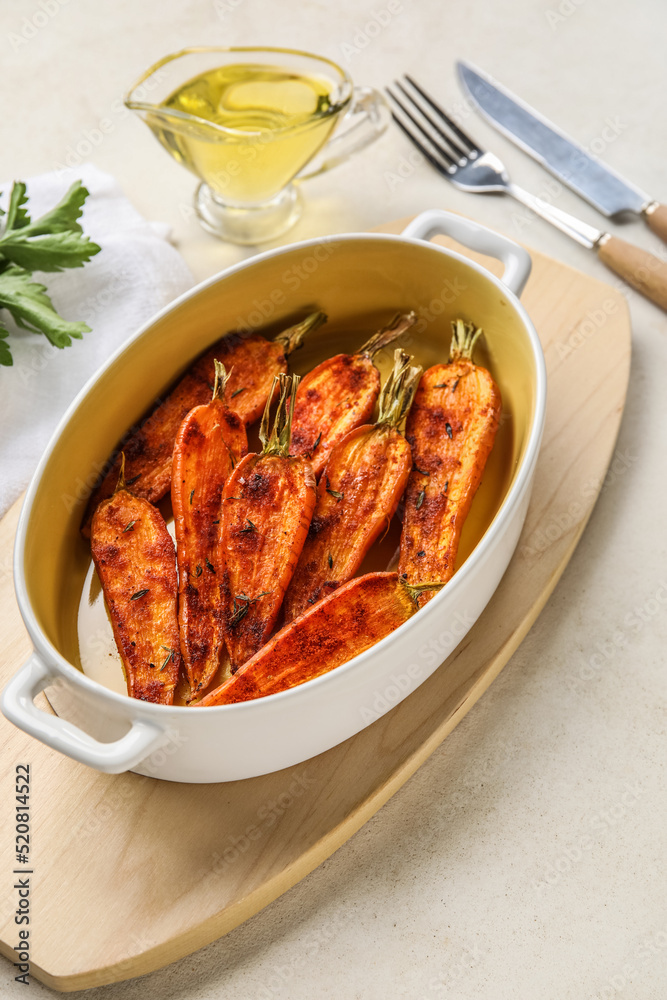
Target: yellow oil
{"x": 280, "y": 119}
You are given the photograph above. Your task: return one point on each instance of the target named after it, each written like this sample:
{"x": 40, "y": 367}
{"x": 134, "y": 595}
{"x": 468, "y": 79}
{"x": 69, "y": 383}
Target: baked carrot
{"x": 136, "y": 563}
{"x": 357, "y": 496}
{"x": 451, "y": 428}
{"x": 339, "y": 395}
{"x": 267, "y": 505}
{"x": 211, "y": 440}
{"x": 344, "y": 624}
{"x": 252, "y": 363}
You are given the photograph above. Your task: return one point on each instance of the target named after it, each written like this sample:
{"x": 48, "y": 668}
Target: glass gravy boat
{"x": 247, "y": 122}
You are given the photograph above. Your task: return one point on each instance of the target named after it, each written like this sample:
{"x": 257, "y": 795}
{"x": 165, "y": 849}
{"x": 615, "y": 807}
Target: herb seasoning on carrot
{"x": 357, "y": 496}
{"x": 339, "y": 395}
{"x": 137, "y": 570}
{"x": 252, "y": 363}
{"x": 211, "y": 440}
{"x": 451, "y": 428}
{"x": 267, "y": 506}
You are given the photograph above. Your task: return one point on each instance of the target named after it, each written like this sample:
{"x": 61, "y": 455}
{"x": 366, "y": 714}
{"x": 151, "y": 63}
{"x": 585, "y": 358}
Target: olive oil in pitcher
{"x": 247, "y": 130}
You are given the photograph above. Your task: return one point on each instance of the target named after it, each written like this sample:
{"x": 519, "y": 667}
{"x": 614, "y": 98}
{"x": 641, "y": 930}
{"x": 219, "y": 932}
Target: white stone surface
{"x": 526, "y": 859}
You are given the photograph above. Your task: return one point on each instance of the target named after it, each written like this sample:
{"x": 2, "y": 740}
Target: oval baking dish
{"x": 358, "y": 280}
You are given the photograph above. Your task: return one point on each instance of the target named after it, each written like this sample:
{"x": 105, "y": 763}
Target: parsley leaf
{"x": 32, "y": 308}
{"x": 53, "y": 242}
{"x": 5, "y": 353}
{"x": 64, "y": 216}
{"x": 53, "y": 252}
{"x": 17, "y": 215}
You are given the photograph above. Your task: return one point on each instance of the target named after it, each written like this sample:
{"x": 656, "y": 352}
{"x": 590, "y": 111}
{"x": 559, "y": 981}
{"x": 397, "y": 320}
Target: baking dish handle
{"x": 470, "y": 234}
{"x": 113, "y": 758}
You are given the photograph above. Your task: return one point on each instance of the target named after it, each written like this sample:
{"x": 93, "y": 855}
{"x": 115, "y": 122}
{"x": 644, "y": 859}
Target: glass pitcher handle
{"x": 365, "y": 121}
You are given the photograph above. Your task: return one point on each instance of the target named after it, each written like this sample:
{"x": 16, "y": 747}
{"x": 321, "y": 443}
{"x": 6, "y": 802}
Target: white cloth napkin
{"x": 136, "y": 273}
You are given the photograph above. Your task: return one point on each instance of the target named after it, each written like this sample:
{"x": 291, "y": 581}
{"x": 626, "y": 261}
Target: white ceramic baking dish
{"x": 360, "y": 280}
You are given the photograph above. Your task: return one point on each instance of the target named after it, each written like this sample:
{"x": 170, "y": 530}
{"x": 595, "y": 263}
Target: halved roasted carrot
{"x": 344, "y": 624}
{"x": 451, "y": 428}
{"x": 357, "y": 496}
{"x": 252, "y": 362}
{"x": 267, "y": 506}
{"x": 339, "y": 395}
{"x": 210, "y": 442}
{"x": 136, "y": 563}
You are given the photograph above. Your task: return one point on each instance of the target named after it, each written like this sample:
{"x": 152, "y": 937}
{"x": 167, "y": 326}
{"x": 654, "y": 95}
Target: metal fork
{"x": 456, "y": 155}
{"x": 452, "y": 152}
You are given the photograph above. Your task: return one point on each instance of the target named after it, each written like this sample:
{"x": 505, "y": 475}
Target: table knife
{"x": 572, "y": 164}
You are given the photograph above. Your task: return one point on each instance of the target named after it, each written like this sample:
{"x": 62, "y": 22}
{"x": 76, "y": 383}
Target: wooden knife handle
{"x": 646, "y": 273}
{"x": 656, "y": 216}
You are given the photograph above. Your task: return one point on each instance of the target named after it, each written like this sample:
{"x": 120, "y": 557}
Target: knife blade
{"x": 589, "y": 177}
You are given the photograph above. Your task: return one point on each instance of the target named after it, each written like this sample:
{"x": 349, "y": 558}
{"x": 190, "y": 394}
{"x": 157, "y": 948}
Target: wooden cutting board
{"x": 132, "y": 873}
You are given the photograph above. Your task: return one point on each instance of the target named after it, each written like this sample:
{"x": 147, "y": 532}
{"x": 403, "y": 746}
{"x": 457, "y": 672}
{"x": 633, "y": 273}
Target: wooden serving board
{"x": 132, "y": 873}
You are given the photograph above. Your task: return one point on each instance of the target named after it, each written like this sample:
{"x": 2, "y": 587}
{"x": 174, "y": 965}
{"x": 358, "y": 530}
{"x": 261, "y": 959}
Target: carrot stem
{"x": 120, "y": 485}
{"x": 398, "y": 391}
{"x": 292, "y": 338}
{"x": 464, "y": 337}
{"x": 221, "y": 380}
{"x": 392, "y": 331}
{"x": 278, "y": 441}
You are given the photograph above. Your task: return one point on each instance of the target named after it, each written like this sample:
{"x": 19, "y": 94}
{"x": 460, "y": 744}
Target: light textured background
{"x": 526, "y": 859}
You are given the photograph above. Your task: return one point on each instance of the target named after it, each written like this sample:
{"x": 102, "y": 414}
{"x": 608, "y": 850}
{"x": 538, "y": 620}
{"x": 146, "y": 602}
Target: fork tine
{"x": 442, "y": 167}
{"x": 460, "y": 153}
{"x": 445, "y": 117}
{"x": 446, "y": 156}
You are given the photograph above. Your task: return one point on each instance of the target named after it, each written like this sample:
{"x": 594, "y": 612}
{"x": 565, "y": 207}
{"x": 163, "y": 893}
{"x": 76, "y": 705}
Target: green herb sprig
{"x": 53, "y": 242}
